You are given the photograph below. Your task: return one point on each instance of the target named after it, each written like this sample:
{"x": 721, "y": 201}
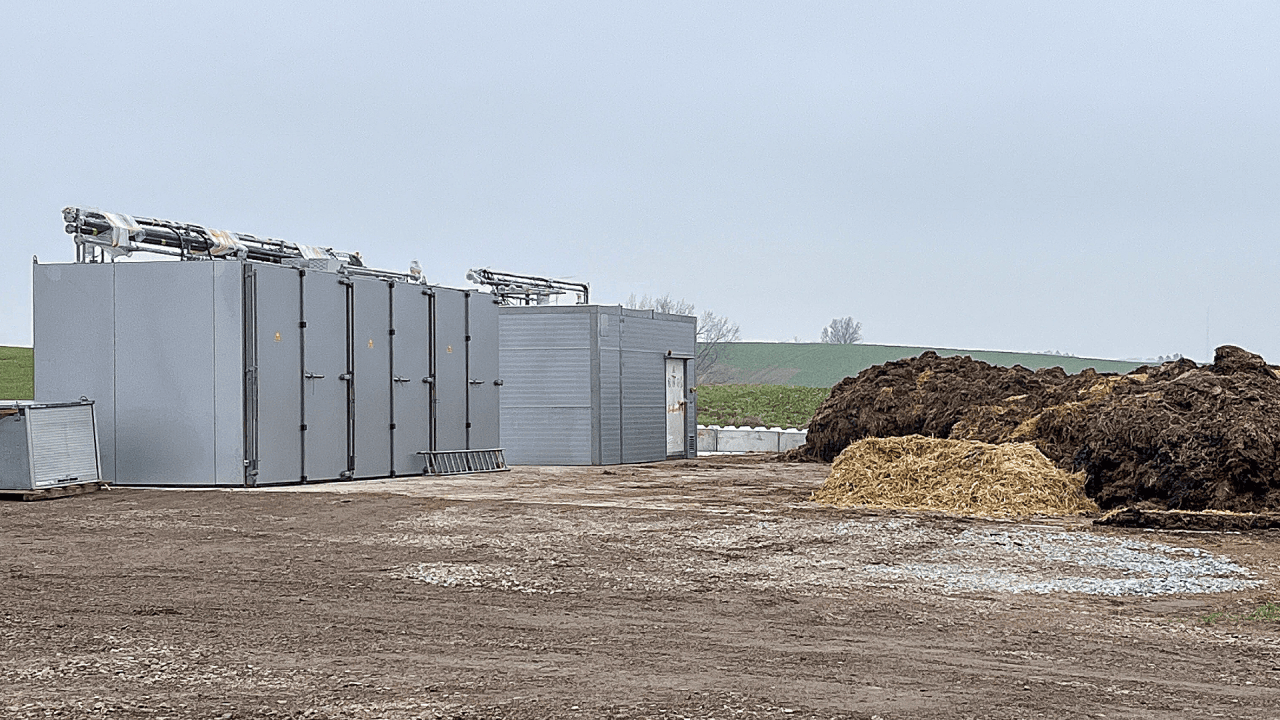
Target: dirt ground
{"x": 692, "y": 589}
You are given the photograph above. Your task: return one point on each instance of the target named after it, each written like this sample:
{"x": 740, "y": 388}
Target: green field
{"x": 780, "y": 384}
{"x": 767, "y": 405}
{"x": 17, "y": 373}
{"x": 822, "y": 365}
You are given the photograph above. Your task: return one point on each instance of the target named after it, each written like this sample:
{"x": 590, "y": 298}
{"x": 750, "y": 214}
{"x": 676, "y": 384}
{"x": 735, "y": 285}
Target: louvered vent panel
{"x": 62, "y": 445}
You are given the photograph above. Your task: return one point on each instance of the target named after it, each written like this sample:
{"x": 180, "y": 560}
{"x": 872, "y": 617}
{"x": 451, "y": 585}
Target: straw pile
{"x": 964, "y": 477}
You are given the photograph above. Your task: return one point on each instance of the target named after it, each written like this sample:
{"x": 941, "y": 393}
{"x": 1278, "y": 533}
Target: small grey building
{"x": 596, "y": 385}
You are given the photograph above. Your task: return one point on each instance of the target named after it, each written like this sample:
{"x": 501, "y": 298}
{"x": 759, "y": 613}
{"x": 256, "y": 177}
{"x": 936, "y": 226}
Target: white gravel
{"x": 1042, "y": 562}
{"x": 535, "y": 552}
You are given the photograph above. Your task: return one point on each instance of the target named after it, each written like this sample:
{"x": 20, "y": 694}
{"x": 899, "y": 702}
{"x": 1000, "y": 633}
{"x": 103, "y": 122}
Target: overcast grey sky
{"x": 1100, "y": 178}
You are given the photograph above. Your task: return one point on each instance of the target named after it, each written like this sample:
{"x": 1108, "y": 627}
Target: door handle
{"x": 473, "y": 381}
{"x": 399, "y": 379}
{"x": 312, "y": 376}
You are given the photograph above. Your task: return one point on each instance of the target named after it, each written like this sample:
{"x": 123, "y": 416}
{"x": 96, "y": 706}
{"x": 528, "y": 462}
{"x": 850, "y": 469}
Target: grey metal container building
{"x": 234, "y": 372}
{"x": 596, "y": 385}
{"x": 47, "y": 445}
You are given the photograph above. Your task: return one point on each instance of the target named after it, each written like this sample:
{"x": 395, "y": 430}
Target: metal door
{"x": 410, "y": 377}
{"x": 371, "y": 352}
{"x": 165, "y": 374}
{"x": 676, "y": 406}
{"x": 482, "y": 372}
{"x": 450, "y": 409}
{"x": 273, "y": 379}
{"x": 326, "y": 450}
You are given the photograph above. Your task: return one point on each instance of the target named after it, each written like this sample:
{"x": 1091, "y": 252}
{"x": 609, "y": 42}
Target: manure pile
{"x": 957, "y": 476}
{"x": 1177, "y": 436}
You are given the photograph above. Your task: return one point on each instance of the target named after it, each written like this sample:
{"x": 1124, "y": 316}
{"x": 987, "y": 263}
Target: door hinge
{"x": 303, "y": 428}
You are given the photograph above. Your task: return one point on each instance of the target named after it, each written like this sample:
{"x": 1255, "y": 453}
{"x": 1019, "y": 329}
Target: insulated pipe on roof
{"x": 98, "y": 228}
{"x": 121, "y": 234}
{"x": 526, "y": 288}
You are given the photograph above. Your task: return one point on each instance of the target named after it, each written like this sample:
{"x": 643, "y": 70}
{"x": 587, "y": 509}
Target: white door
{"x": 675, "y": 408}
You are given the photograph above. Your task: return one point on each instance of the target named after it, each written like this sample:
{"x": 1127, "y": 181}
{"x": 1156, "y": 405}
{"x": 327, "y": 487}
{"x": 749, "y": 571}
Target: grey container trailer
{"x": 596, "y": 385}
{"x": 235, "y": 372}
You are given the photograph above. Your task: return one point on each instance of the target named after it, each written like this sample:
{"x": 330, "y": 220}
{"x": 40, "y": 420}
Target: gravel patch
{"x": 452, "y": 575}
{"x": 1035, "y": 561}
{"x": 808, "y": 556}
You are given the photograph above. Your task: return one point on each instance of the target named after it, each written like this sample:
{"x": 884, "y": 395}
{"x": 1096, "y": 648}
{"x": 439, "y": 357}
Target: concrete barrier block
{"x": 713, "y": 438}
{"x": 747, "y": 440}
{"x": 707, "y": 439}
{"x": 791, "y": 439}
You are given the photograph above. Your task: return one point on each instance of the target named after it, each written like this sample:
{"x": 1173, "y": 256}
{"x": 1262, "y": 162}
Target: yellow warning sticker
{"x": 277, "y": 337}
{"x": 370, "y": 342}
{"x": 449, "y": 349}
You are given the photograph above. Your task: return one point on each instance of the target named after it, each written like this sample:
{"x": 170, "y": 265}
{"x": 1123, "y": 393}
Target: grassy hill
{"x": 823, "y": 365}
{"x": 752, "y": 405}
{"x": 17, "y": 373}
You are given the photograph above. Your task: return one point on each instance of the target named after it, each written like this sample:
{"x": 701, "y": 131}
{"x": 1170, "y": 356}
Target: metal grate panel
{"x": 459, "y": 462}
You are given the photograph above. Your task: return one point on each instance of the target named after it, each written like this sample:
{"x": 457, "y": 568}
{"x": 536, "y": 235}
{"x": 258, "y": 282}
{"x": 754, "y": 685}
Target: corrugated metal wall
{"x": 646, "y": 339}
{"x": 585, "y": 384}
{"x": 546, "y": 393}
{"x": 610, "y": 405}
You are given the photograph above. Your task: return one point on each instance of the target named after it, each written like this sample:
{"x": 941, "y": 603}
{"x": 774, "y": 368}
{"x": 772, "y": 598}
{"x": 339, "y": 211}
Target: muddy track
{"x": 704, "y": 589}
